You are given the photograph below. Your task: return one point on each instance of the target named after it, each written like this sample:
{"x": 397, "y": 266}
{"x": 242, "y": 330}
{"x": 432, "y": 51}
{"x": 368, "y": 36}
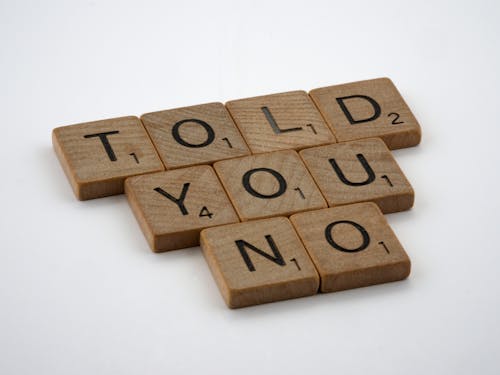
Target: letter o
{"x": 364, "y": 233}
{"x": 208, "y": 128}
{"x": 248, "y": 187}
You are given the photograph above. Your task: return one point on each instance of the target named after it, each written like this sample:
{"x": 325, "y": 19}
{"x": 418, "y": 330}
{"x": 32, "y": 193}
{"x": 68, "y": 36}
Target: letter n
{"x": 276, "y": 257}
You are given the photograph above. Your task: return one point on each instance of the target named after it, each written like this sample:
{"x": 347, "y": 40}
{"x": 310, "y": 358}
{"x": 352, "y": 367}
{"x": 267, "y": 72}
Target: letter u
{"x": 369, "y": 171}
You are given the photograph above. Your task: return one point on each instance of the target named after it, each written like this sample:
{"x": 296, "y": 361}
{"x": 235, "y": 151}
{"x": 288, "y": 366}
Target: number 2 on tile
{"x": 395, "y": 119}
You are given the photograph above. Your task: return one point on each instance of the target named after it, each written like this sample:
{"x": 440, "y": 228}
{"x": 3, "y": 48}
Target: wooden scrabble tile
{"x": 281, "y": 121}
{"x": 352, "y": 246}
{"x": 359, "y": 171}
{"x": 98, "y": 156}
{"x": 258, "y": 262}
{"x": 173, "y": 206}
{"x": 366, "y": 109}
{"x": 195, "y": 135}
{"x": 267, "y": 185}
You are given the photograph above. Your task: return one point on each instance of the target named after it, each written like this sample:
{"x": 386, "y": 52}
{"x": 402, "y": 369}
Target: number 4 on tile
{"x": 205, "y": 212}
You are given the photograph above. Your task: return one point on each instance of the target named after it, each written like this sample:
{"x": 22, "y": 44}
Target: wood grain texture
{"x": 195, "y": 135}
{"x": 97, "y": 170}
{"x": 359, "y": 171}
{"x": 267, "y": 185}
{"x": 280, "y": 121}
{"x": 284, "y": 272}
{"x": 392, "y": 120}
{"x": 346, "y": 259}
{"x": 197, "y": 200}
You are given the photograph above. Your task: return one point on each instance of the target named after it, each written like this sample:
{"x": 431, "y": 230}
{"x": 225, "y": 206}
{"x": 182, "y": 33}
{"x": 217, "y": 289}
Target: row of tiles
{"x": 317, "y": 251}
{"x": 172, "y": 207}
{"x": 98, "y": 156}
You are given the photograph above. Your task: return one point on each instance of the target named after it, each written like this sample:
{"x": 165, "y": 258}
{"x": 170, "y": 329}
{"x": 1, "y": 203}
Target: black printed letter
{"x": 104, "y": 139}
{"x": 275, "y": 174}
{"x": 274, "y": 125}
{"x": 278, "y": 259}
{"x": 375, "y": 105}
{"x": 208, "y": 128}
{"x": 178, "y": 201}
{"x": 366, "y": 166}
{"x": 364, "y": 233}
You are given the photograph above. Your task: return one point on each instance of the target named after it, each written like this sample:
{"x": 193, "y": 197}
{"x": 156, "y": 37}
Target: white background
{"x": 80, "y": 291}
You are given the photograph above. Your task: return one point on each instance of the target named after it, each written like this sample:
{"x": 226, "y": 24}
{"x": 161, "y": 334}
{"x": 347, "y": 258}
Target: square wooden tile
{"x": 367, "y": 109}
{"x": 280, "y": 121}
{"x": 258, "y": 262}
{"x": 199, "y": 134}
{"x": 173, "y": 206}
{"x": 266, "y": 185}
{"x": 98, "y": 156}
{"x": 359, "y": 171}
{"x": 352, "y": 246}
